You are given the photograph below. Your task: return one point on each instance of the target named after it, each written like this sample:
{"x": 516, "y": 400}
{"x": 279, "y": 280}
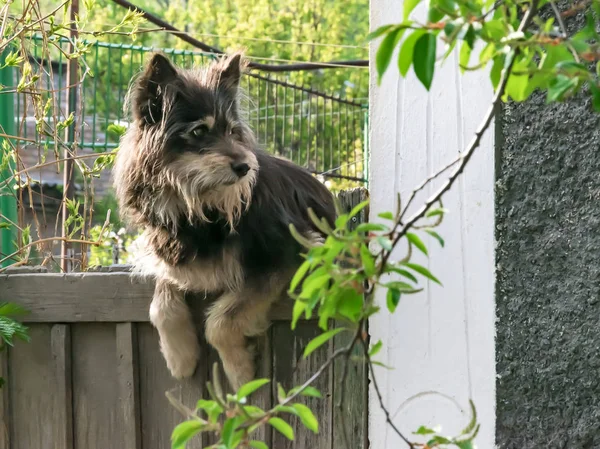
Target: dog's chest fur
{"x": 207, "y": 256}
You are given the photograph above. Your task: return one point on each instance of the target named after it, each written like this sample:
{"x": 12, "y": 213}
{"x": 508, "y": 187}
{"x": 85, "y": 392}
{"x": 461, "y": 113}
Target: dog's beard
{"x": 200, "y": 183}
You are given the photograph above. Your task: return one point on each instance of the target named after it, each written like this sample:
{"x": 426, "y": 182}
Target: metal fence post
{"x": 8, "y": 200}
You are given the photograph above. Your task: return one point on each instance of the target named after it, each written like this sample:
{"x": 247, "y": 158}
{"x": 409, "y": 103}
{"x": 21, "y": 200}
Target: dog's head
{"x": 188, "y": 136}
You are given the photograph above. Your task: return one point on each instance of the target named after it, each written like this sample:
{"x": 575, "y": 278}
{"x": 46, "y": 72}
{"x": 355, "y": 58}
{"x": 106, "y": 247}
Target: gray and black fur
{"x": 215, "y": 209}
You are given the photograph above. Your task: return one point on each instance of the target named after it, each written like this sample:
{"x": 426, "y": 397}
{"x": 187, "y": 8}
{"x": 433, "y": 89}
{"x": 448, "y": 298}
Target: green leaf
{"x": 308, "y": 391}
{"x": 439, "y": 440}
{"x": 595, "y": 89}
{"x": 493, "y": 30}
{"x": 402, "y": 287}
{"x": 405, "y": 273}
{"x": 436, "y": 236}
{"x": 375, "y": 348}
{"x": 435, "y": 212}
{"x": 258, "y": 444}
{"x": 385, "y": 243}
{"x": 405, "y": 57}
{"x": 321, "y": 340}
{"x": 496, "y": 72}
{"x": 212, "y": 409}
{"x": 470, "y": 37}
{"x": 284, "y": 428}
{"x": 424, "y": 431}
{"x": 386, "y": 215}
{"x": 379, "y": 32}
{"x": 435, "y": 14}
{"x": 409, "y": 5}
{"x": 464, "y": 444}
{"x": 280, "y": 393}
{"x": 300, "y": 273}
{"x": 422, "y": 270}
{"x": 392, "y": 299}
{"x": 368, "y": 227}
{"x": 299, "y": 307}
{"x": 416, "y": 240}
{"x": 516, "y": 87}
{"x": 424, "y": 59}
{"x": 558, "y": 90}
{"x": 307, "y": 417}
{"x": 367, "y": 260}
{"x": 116, "y": 130}
{"x": 465, "y": 55}
{"x": 385, "y": 51}
{"x": 356, "y": 209}
{"x": 184, "y": 432}
{"x": 12, "y": 309}
{"x": 350, "y": 304}
{"x": 4, "y": 225}
{"x": 251, "y": 387}
{"x": 228, "y": 430}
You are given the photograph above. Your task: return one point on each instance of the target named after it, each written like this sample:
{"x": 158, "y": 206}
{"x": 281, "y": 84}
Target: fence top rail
{"x": 91, "y": 297}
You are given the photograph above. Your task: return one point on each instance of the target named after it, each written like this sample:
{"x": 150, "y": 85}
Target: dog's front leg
{"x": 178, "y": 339}
{"x": 231, "y": 321}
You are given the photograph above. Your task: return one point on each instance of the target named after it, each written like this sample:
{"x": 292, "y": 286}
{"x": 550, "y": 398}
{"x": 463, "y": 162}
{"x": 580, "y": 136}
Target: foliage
{"x": 10, "y": 328}
{"x": 541, "y": 55}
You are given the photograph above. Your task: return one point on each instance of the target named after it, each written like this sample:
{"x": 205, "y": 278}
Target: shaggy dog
{"x": 215, "y": 211}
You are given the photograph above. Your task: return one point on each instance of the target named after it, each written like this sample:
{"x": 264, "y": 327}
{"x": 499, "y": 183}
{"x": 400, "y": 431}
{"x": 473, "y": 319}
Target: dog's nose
{"x": 240, "y": 168}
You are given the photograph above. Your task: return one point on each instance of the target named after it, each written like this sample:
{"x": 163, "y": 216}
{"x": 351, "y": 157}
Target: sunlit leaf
{"x": 251, "y": 387}
{"x": 422, "y": 270}
{"x": 284, "y": 428}
{"x": 416, "y": 240}
{"x": 320, "y": 340}
{"x": 392, "y": 299}
{"x": 386, "y": 49}
{"x": 184, "y": 432}
{"x": 405, "y": 57}
{"x": 307, "y": 417}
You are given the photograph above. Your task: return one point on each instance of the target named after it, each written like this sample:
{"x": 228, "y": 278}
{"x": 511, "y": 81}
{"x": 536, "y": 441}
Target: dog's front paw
{"x": 182, "y": 364}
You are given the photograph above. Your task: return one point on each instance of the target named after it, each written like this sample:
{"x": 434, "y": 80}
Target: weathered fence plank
{"x": 60, "y": 337}
{"x": 34, "y": 390}
{"x": 291, "y": 369}
{"x": 159, "y": 417}
{"x": 128, "y": 377}
{"x": 352, "y": 418}
{"x": 4, "y": 402}
{"x": 95, "y": 386}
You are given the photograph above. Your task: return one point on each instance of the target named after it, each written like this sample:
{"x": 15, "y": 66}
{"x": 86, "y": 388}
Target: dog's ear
{"x": 148, "y": 101}
{"x": 230, "y": 68}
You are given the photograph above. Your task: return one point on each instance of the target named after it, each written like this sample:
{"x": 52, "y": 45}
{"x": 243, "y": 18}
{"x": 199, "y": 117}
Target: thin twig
{"x": 46, "y": 240}
{"x": 563, "y": 30}
{"x": 388, "y": 417}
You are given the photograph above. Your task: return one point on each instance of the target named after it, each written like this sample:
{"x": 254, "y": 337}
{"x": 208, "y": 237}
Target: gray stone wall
{"x": 548, "y": 276}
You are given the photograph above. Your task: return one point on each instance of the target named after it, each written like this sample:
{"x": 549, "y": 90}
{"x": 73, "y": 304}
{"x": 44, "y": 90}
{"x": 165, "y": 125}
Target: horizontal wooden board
{"x": 90, "y": 297}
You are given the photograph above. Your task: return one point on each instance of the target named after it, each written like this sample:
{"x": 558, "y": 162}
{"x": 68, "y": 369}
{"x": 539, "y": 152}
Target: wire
{"x": 277, "y": 41}
{"x": 264, "y": 67}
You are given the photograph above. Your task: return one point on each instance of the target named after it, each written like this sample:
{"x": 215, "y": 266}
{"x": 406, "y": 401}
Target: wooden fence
{"x": 93, "y": 377}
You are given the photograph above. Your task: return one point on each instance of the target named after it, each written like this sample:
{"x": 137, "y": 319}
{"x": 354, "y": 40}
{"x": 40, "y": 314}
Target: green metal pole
{"x": 8, "y": 200}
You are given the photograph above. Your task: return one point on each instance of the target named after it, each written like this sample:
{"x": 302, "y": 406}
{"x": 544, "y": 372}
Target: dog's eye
{"x": 200, "y": 131}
